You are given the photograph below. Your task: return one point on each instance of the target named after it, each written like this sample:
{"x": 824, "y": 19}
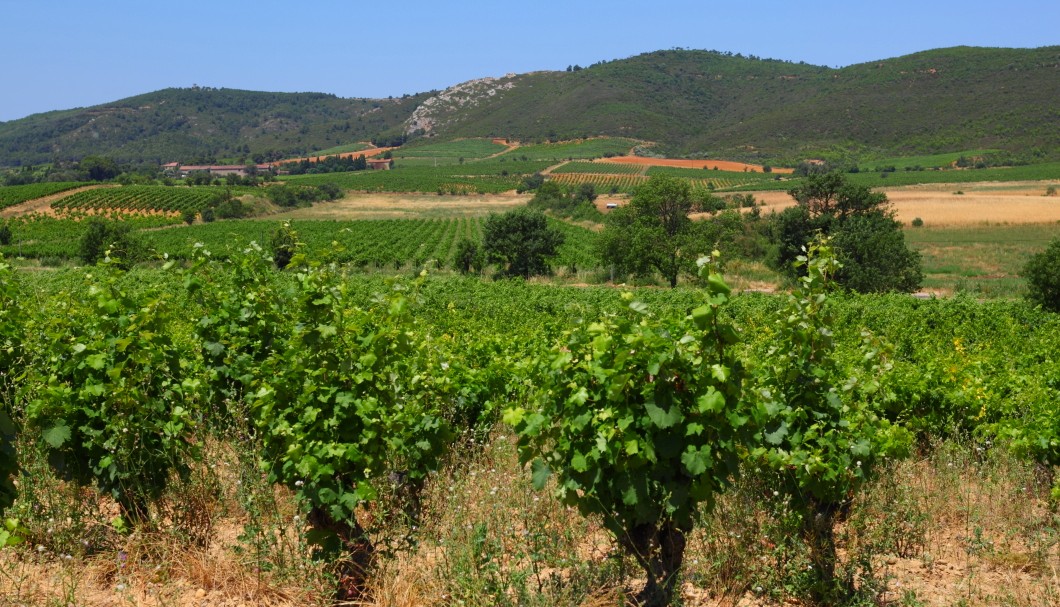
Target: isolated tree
{"x": 1043, "y": 277}
{"x": 868, "y": 239}
{"x": 468, "y": 256}
{"x": 521, "y": 240}
{"x": 117, "y": 238}
{"x": 652, "y": 232}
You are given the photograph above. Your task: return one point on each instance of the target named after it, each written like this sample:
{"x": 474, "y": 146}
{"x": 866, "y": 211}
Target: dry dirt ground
{"x": 44, "y": 205}
{"x": 940, "y": 205}
{"x": 403, "y": 206}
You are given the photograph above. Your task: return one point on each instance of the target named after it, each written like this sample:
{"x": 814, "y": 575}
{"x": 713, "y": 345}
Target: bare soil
{"x": 44, "y": 204}
{"x": 379, "y": 205}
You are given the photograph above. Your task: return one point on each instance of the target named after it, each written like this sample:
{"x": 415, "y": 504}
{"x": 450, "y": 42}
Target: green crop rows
{"x": 41, "y": 236}
{"x": 139, "y": 198}
{"x": 600, "y": 168}
{"x": 584, "y": 149}
{"x": 603, "y": 183}
{"x": 17, "y": 194}
{"x": 393, "y": 243}
{"x": 461, "y": 148}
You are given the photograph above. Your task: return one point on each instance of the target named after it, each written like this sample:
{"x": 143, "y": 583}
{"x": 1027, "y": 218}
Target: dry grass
{"x": 963, "y": 526}
{"x": 407, "y": 206}
{"x": 939, "y": 204}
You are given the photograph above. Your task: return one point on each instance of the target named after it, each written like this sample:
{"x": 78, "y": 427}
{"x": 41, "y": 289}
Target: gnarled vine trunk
{"x": 357, "y": 558}
{"x": 660, "y": 550}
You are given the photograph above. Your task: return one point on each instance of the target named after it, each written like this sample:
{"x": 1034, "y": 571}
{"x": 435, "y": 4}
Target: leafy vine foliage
{"x": 642, "y": 420}
{"x": 353, "y": 397}
{"x": 822, "y": 435}
{"x": 243, "y": 319}
{"x": 114, "y": 400}
{"x": 11, "y": 361}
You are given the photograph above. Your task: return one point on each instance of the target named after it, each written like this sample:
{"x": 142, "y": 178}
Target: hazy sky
{"x": 62, "y": 54}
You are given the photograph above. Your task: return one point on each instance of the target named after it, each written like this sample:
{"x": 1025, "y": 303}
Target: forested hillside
{"x": 687, "y": 102}
{"x": 200, "y": 124}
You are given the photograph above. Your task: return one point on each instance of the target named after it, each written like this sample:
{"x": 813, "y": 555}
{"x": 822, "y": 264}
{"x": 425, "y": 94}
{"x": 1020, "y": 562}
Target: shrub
{"x": 113, "y": 239}
{"x": 918, "y": 222}
{"x": 284, "y": 243}
{"x": 1043, "y": 277}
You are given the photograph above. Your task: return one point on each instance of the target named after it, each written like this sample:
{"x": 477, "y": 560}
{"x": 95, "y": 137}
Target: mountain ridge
{"x": 690, "y": 102}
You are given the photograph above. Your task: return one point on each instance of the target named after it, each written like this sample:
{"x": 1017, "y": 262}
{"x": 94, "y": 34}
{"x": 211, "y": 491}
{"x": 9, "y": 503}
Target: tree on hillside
{"x": 867, "y": 237}
{"x": 521, "y": 240}
{"x": 652, "y": 232}
{"x": 98, "y": 168}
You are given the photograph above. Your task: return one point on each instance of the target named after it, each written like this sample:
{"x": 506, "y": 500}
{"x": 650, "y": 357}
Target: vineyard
{"x": 44, "y": 237}
{"x": 623, "y": 184}
{"x": 581, "y": 149}
{"x": 720, "y": 180}
{"x": 394, "y": 244}
{"x": 139, "y": 199}
{"x": 17, "y": 194}
{"x": 486, "y": 177}
{"x": 451, "y": 150}
{"x": 277, "y": 408}
{"x": 623, "y": 178}
{"x": 599, "y": 168}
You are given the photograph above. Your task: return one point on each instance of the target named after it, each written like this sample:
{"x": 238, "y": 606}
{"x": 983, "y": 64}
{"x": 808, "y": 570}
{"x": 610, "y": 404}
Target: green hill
{"x": 701, "y": 103}
{"x": 717, "y": 104}
{"x": 186, "y": 125}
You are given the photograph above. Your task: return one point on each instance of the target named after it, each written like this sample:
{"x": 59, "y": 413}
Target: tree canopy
{"x": 652, "y": 232}
{"x": 868, "y": 239}
{"x": 521, "y": 240}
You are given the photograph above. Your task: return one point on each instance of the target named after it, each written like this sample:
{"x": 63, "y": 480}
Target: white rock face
{"x": 432, "y": 113}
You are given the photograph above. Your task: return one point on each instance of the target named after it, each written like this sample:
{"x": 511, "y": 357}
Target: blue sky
{"x": 62, "y": 54}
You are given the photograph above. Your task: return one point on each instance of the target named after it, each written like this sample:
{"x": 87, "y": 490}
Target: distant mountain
{"x": 192, "y": 124}
{"x": 720, "y": 104}
{"x": 687, "y": 102}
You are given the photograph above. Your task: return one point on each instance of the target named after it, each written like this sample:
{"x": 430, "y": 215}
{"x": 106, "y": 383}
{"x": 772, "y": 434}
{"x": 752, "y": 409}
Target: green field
{"x": 142, "y": 198}
{"x": 582, "y": 149}
{"x": 927, "y": 161}
{"x": 985, "y": 260}
{"x": 461, "y": 148}
{"x": 599, "y": 168}
{"x": 342, "y": 149}
{"x": 395, "y": 244}
{"x": 46, "y": 238}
